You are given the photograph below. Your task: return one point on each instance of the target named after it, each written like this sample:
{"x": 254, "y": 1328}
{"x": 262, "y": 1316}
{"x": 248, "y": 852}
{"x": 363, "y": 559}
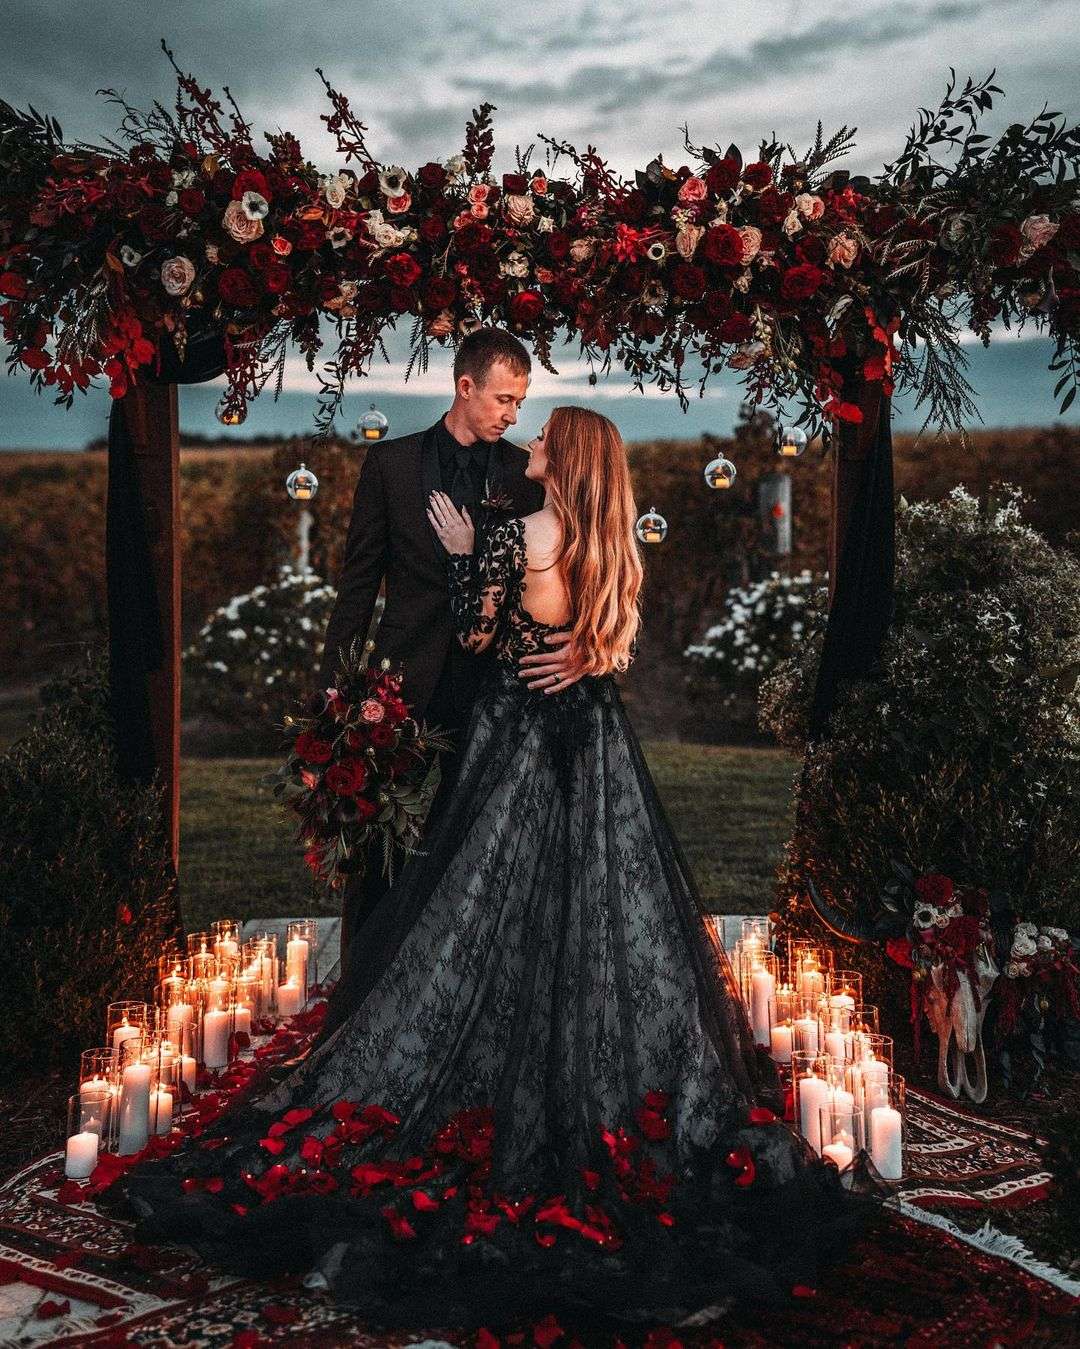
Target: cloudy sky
{"x": 623, "y": 75}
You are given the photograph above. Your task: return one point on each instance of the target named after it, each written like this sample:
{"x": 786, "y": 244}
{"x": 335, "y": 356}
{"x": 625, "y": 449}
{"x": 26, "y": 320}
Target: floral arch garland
{"x": 781, "y": 267}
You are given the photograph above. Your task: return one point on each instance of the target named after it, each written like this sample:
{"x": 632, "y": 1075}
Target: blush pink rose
{"x": 693, "y": 189}
{"x": 810, "y": 205}
{"x": 751, "y": 242}
{"x": 520, "y": 210}
{"x": 1038, "y": 230}
{"x": 843, "y": 250}
{"x": 239, "y": 224}
{"x": 372, "y": 711}
{"x": 177, "y": 274}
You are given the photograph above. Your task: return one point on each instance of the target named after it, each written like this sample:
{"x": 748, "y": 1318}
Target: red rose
{"x": 313, "y": 748}
{"x": 440, "y": 292}
{"x": 382, "y": 736}
{"x": 474, "y": 236}
{"x": 403, "y": 269}
{"x": 723, "y": 245}
{"x": 723, "y": 175}
{"x": 801, "y": 282}
{"x": 432, "y": 229}
{"x": 235, "y": 288}
{"x": 1005, "y": 242}
{"x": 309, "y": 234}
{"x": 811, "y": 249}
{"x": 160, "y": 175}
{"x": 366, "y": 808}
{"x": 432, "y": 175}
{"x": 339, "y": 779}
{"x": 736, "y": 328}
{"x": 689, "y": 282}
{"x": 515, "y": 183}
{"x": 262, "y": 252}
{"x": 191, "y": 200}
{"x": 773, "y": 206}
{"x": 526, "y": 307}
{"x": 154, "y": 224}
{"x": 757, "y": 175}
{"x": 276, "y": 278}
{"x": 250, "y": 180}
{"x": 1068, "y": 235}
{"x": 934, "y": 889}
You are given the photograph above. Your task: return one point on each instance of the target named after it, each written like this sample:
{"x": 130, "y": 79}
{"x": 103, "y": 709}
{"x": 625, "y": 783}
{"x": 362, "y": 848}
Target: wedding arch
{"x": 181, "y": 252}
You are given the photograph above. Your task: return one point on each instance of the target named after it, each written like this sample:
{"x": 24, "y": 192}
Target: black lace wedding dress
{"x": 535, "y": 1089}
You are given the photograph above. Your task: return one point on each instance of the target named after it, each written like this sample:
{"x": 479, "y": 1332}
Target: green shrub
{"x": 87, "y": 892}
{"x": 963, "y": 757}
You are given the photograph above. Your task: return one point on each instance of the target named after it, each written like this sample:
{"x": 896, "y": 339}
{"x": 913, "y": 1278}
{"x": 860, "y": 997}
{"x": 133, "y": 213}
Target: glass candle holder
{"x": 126, "y": 1020}
{"x": 841, "y": 1130}
{"x": 866, "y": 1019}
{"x": 225, "y": 943}
{"x": 201, "y": 961}
{"x": 172, "y": 976}
{"x": 136, "y": 1087}
{"x": 301, "y": 953}
{"x": 179, "y": 1015}
{"x": 810, "y": 976}
{"x": 884, "y": 1114}
{"x": 806, "y": 1027}
{"x": 757, "y": 929}
{"x": 869, "y": 1046}
{"x": 83, "y": 1142}
{"x": 241, "y": 1017}
{"x": 266, "y": 959}
{"x": 99, "y": 1072}
{"x": 216, "y": 1026}
{"x": 845, "y": 993}
{"x": 163, "y": 1057}
{"x": 812, "y": 1086}
{"x": 781, "y": 1035}
{"x": 760, "y": 986}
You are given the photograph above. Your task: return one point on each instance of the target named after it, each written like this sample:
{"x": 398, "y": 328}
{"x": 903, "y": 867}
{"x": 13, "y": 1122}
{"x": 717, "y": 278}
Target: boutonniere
{"x": 496, "y": 497}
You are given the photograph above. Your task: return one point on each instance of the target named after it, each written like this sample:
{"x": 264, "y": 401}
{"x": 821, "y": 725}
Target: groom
{"x": 390, "y": 539}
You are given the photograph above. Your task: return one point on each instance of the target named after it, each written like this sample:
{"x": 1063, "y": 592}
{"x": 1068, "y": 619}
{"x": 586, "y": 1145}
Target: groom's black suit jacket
{"x": 391, "y": 538}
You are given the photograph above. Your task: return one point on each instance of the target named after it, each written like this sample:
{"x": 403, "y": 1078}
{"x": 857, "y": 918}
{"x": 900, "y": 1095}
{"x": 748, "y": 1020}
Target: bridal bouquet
{"x": 360, "y": 767}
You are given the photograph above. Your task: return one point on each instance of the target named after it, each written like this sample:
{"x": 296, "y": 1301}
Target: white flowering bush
{"x": 254, "y": 658}
{"x": 761, "y": 625}
{"x": 963, "y": 756}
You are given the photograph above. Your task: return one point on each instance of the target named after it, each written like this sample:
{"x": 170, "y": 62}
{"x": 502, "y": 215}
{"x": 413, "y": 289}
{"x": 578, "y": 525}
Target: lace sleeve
{"x": 482, "y": 583}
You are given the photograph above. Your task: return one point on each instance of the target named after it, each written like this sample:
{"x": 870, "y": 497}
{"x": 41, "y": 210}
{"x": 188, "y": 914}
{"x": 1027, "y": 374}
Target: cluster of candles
{"x": 207, "y": 996}
{"x": 812, "y": 1019}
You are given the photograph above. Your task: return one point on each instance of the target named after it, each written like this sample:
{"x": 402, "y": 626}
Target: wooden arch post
{"x": 852, "y": 449}
{"x": 150, "y": 411}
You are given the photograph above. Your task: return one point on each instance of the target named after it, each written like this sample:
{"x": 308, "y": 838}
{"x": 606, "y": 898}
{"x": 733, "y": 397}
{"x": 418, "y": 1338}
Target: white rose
{"x": 1026, "y": 930}
{"x": 1057, "y": 934}
{"x": 1043, "y": 942}
{"x": 334, "y": 190}
{"x": 792, "y": 224}
{"x": 1022, "y": 946}
{"x": 177, "y": 274}
{"x": 581, "y": 250}
{"x": 455, "y": 167}
{"x": 809, "y": 205}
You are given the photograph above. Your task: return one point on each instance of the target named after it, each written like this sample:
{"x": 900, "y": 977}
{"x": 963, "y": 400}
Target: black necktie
{"x": 462, "y": 485}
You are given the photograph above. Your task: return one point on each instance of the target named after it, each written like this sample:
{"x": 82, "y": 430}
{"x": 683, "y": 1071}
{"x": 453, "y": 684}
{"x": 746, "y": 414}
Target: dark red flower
{"x": 432, "y": 229}
{"x": 723, "y": 245}
{"x": 276, "y": 278}
{"x": 474, "y": 236}
{"x": 741, "y": 1160}
{"x": 801, "y": 282}
{"x": 757, "y": 175}
{"x": 526, "y": 307}
{"x": 898, "y": 949}
{"x": 403, "y": 269}
{"x": 935, "y": 889}
{"x": 432, "y": 175}
{"x": 250, "y": 180}
{"x": 191, "y": 200}
{"x": 382, "y": 736}
{"x": 440, "y": 292}
{"x": 736, "y": 328}
{"x": 1005, "y": 244}
{"x": 689, "y": 281}
{"x": 515, "y": 183}
{"x": 558, "y": 242}
{"x": 235, "y": 288}
{"x": 723, "y": 175}
{"x": 339, "y": 778}
{"x": 313, "y": 749}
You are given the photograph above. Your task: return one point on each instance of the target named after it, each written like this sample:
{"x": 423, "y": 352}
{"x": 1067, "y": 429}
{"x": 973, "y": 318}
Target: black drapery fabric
{"x": 136, "y": 641}
{"x": 863, "y": 596}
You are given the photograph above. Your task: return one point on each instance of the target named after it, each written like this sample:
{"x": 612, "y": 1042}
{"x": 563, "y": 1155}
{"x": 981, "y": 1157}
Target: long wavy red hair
{"x": 588, "y": 482}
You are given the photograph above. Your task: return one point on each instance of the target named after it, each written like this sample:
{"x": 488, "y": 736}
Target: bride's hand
{"x": 454, "y": 527}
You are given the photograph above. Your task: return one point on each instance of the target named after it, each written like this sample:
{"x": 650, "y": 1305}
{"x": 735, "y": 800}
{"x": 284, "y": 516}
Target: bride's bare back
{"x": 544, "y": 594}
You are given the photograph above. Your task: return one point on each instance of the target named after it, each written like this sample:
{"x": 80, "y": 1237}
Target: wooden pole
{"x": 851, "y": 447}
{"x": 151, "y": 412}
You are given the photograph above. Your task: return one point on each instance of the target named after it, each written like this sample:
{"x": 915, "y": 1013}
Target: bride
{"x": 536, "y": 1090}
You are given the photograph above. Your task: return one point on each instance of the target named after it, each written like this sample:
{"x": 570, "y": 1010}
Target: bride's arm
{"x": 478, "y": 582}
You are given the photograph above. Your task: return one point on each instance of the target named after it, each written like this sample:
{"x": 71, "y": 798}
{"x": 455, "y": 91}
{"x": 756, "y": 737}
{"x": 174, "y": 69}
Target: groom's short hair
{"x": 479, "y": 351}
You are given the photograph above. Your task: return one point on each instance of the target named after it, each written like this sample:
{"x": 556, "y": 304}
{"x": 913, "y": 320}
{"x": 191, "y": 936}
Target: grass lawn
{"x": 731, "y": 808}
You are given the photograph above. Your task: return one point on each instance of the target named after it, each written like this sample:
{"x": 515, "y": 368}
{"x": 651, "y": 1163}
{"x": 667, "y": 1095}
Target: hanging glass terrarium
{"x": 373, "y": 425}
{"x": 651, "y": 527}
{"x": 230, "y": 414}
{"x": 720, "y": 473}
{"x": 301, "y": 484}
{"x": 792, "y": 442}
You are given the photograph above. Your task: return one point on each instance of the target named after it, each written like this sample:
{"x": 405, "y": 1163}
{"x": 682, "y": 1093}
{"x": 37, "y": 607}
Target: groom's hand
{"x": 551, "y": 671}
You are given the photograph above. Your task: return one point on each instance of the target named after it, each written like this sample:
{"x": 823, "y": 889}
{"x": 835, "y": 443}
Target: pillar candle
{"x": 806, "y": 1034}
{"x": 836, "y": 1044}
{"x": 180, "y": 1023}
{"x": 288, "y": 998}
{"x": 886, "y": 1133}
{"x": 242, "y": 1019}
{"x": 226, "y": 949}
{"x": 839, "y": 1153}
{"x": 813, "y": 1093}
{"x": 296, "y": 961}
{"x": 811, "y": 983}
{"x": 81, "y": 1156}
{"x": 844, "y": 1109}
{"x": 125, "y": 1031}
{"x": 161, "y": 1111}
{"x": 219, "y": 992}
{"x": 188, "y": 1072}
{"x": 93, "y": 1085}
{"x": 216, "y": 1038}
{"x": 781, "y": 1044}
{"x": 134, "y": 1109}
{"x": 762, "y": 987}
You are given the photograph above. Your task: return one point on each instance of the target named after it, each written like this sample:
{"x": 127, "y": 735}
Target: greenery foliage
{"x": 87, "y": 891}
{"x": 963, "y": 756}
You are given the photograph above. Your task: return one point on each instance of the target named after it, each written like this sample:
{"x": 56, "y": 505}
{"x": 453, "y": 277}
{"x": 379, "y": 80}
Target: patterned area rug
{"x": 69, "y": 1276}
{"x": 957, "y": 1160}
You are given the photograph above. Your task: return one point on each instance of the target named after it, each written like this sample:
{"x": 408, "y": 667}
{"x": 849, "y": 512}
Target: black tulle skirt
{"x": 535, "y": 1090}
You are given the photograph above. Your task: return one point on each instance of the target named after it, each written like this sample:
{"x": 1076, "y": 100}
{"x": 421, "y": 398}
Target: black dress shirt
{"x": 473, "y": 458}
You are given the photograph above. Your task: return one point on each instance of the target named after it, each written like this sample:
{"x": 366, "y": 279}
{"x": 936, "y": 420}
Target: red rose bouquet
{"x": 360, "y": 767}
